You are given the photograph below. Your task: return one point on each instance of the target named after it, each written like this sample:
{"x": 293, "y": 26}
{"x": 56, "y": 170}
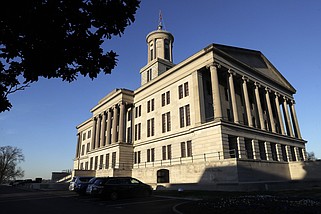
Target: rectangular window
{"x": 148, "y": 106}
{"x": 262, "y": 150}
{"x": 168, "y": 98}
{"x": 138, "y": 157}
{"x": 188, "y": 115}
{"x": 82, "y": 149}
{"x": 101, "y": 161}
{"x": 148, "y": 155}
{"x": 169, "y": 152}
{"x": 284, "y": 155}
{"x": 152, "y": 105}
{"x": 163, "y": 99}
{"x": 139, "y": 110}
{"x": 163, "y": 123}
{"x": 96, "y": 163}
{"x": 273, "y": 150}
{"x": 293, "y": 153}
{"x": 82, "y": 166}
{"x": 86, "y": 165}
{"x": 168, "y": 117}
{"x": 189, "y": 148}
{"x": 136, "y": 131}
{"x": 152, "y": 155}
{"x": 107, "y": 161}
{"x": 113, "y": 160}
{"x": 180, "y": 91}
{"x": 89, "y": 134}
{"x": 139, "y": 131}
{"x": 84, "y": 136}
{"x": 186, "y": 90}
{"x": 152, "y": 127}
{"x": 183, "y": 150}
{"x": 249, "y": 148}
{"x": 181, "y": 117}
{"x": 164, "y": 152}
{"x": 149, "y": 75}
{"x": 148, "y": 128}
{"x": 184, "y": 116}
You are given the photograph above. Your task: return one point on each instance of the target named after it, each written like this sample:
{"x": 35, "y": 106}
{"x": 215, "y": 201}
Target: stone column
{"x": 94, "y": 133}
{"x": 279, "y": 113}
{"x": 287, "y": 117}
{"x": 259, "y": 106}
{"x": 79, "y": 135}
{"x": 216, "y": 93}
{"x": 247, "y": 102}
{"x": 268, "y": 151}
{"x": 233, "y": 99}
{"x": 199, "y": 97}
{"x": 109, "y": 111}
{"x": 267, "y": 97}
{"x": 121, "y": 123}
{"x": 241, "y": 148}
{"x": 115, "y": 123}
{"x": 295, "y": 120}
{"x": 97, "y": 141}
{"x": 103, "y": 131}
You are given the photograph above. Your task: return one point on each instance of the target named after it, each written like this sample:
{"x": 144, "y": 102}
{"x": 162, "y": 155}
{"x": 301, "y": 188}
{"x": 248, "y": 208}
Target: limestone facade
{"x": 223, "y": 115}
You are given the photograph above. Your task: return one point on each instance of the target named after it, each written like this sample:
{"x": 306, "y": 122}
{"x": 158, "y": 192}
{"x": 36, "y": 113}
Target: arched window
{"x": 166, "y": 49}
{"x": 163, "y": 176}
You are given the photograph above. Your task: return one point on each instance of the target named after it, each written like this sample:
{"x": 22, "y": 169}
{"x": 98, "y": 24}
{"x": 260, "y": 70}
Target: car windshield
{"x": 84, "y": 179}
{"x": 91, "y": 181}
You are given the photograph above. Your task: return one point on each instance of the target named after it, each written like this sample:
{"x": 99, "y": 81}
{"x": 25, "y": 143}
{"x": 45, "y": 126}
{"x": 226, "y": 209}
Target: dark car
{"x": 79, "y": 184}
{"x": 94, "y": 181}
{"x": 116, "y": 187}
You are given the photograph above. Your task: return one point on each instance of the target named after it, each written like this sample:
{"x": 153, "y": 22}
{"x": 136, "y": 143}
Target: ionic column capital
{"x": 258, "y": 85}
{"x": 231, "y": 72}
{"x": 213, "y": 64}
{"x": 267, "y": 90}
{"x": 245, "y": 79}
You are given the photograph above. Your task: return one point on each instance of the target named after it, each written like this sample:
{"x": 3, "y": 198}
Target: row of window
{"x": 263, "y": 150}
{"x": 94, "y": 164}
{"x": 186, "y": 151}
{"x": 185, "y": 120}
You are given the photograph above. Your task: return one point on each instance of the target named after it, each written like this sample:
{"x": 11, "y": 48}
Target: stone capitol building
{"x": 223, "y": 116}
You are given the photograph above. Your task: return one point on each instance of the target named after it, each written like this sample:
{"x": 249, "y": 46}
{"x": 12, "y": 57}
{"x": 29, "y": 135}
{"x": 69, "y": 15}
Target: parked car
{"x": 79, "y": 184}
{"x": 116, "y": 187}
{"x": 92, "y": 181}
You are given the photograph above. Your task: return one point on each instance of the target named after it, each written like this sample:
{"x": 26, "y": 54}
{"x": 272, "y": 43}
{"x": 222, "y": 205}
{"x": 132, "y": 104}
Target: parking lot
{"x": 13, "y": 200}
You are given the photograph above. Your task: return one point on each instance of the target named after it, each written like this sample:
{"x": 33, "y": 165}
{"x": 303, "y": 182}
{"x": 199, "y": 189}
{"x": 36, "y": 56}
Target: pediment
{"x": 258, "y": 62}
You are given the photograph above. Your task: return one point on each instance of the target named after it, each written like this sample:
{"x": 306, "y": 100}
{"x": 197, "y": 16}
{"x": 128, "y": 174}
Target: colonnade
{"x": 109, "y": 126}
{"x": 289, "y": 126}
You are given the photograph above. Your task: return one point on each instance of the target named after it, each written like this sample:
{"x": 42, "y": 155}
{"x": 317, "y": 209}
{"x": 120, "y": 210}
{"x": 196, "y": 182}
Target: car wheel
{"x": 113, "y": 196}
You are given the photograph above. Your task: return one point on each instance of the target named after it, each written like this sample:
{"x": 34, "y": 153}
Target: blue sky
{"x": 43, "y": 118}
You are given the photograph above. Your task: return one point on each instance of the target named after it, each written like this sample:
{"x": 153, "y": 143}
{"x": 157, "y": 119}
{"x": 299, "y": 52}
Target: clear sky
{"x": 44, "y": 117}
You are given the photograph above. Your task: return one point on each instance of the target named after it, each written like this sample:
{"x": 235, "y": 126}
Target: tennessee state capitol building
{"x": 223, "y": 115}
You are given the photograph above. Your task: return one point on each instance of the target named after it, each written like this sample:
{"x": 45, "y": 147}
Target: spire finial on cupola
{"x": 160, "y": 21}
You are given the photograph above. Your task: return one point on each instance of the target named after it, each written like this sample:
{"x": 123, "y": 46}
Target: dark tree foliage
{"x": 57, "y": 39}
{"x": 9, "y": 158}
